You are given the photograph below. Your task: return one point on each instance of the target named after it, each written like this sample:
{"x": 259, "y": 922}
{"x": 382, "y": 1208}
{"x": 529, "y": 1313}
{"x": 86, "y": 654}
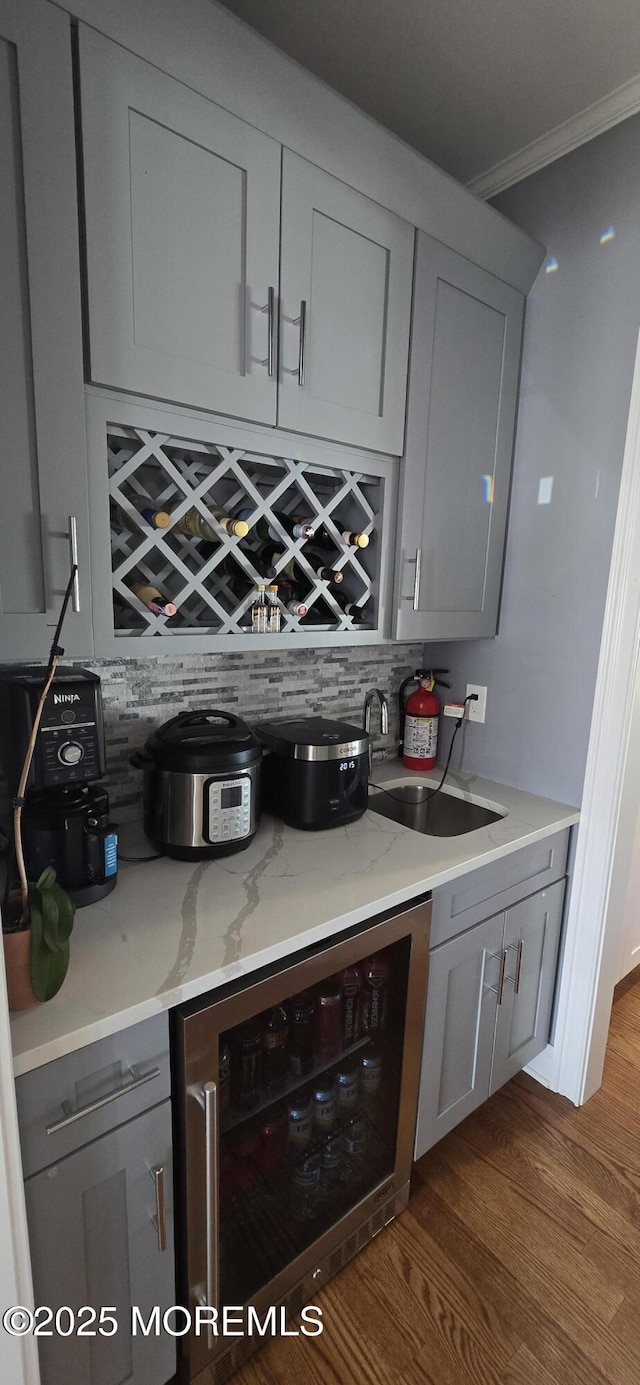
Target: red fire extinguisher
{"x": 419, "y": 719}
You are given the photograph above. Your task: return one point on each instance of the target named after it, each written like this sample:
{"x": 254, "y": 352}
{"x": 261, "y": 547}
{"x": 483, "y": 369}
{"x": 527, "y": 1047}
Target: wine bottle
{"x": 153, "y": 599}
{"x": 156, "y": 519}
{"x": 355, "y": 613}
{"x": 260, "y": 612}
{"x": 293, "y": 570}
{"x": 273, "y": 610}
{"x": 195, "y": 524}
{"x": 297, "y": 526}
{"x": 293, "y": 597}
{"x": 323, "y": 539}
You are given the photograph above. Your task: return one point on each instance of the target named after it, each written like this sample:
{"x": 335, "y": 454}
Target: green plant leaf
{"x": 66, "y": 912}
{"x": 48, "y": 969}
{"x": 47, "y": 879}
{"x": 50, "y": 913}
{"x": 35, "y": 918}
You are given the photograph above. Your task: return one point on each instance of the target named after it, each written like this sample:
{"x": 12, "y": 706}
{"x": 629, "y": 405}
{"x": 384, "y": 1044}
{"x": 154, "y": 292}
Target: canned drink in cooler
{"x": 325, "y": 1107}
{"x": 347, "y": 1084}
{"x": 300, "y": 1114}
{"x": 328, "y": 1021}
{"x": 373, "y": 1005}
{"x": 370, "y": 1073}
{"x": 351, "y": 986}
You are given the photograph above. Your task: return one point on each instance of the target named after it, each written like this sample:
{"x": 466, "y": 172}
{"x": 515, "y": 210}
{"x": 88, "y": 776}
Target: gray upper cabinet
{"x": 463, "y": 386}
{"x": 346, "y": 274}
{"x": 43, "y": 470}
{"x": 182, "y": 206}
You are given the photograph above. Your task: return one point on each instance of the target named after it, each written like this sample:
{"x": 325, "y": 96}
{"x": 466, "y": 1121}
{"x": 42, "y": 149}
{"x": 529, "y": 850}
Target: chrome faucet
{"x": 384, "y": 710}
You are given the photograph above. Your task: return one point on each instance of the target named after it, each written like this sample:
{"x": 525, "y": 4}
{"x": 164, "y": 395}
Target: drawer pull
{"x": 159, "y": 1221}
{"x": 137, "y": 1080}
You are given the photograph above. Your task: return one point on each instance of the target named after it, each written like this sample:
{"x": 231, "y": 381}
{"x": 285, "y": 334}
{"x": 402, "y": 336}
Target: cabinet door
{"x": 532, "y": 938}
{"x": 459, "y": 1028}
{"x": 463, "y": 384}
{"x": 43, "y": 468}
{"x": 343, "y": 366}
{"x": 94, "y": 1240}
{"x": 182, "y": 205}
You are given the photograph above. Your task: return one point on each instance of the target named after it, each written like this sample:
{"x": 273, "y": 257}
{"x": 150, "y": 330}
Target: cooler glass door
{"x": 301, "y": 1094}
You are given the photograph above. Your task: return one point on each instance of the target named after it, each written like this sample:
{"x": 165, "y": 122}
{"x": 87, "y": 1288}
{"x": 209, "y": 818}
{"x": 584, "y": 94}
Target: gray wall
{"x": 139, "y": 694}
{"x": 580, "y": 338}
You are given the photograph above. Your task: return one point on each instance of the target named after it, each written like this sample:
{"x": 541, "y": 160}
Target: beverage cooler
{"x": 297, "y": 1098}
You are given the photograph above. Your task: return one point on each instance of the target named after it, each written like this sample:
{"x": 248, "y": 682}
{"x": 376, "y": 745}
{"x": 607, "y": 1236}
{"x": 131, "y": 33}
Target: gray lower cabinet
{"x": 43, "y": 469}
{"x": 96, "y": 1135}
{"x": 96, "y": 1240}
{"x": 456, "y": 472}
{"x": 488, "y": 1009}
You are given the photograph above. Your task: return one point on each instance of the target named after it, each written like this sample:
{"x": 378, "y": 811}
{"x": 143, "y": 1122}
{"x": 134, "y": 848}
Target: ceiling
{"x": 469, "y": 83}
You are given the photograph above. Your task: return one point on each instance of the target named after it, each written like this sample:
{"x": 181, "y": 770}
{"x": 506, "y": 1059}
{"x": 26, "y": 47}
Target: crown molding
{"x": 580, "y": 128}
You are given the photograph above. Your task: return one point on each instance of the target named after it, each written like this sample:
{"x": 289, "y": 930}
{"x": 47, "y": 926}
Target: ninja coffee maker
{"x": 65, "y": 820}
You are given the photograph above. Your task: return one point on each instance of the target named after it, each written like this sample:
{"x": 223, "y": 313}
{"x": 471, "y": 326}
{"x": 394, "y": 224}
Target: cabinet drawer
{"x": 98, "y": 1076}
{"x": 486, "y": 891}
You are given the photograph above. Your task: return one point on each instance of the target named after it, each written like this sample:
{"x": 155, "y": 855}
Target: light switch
{"x": 545, "y": 488}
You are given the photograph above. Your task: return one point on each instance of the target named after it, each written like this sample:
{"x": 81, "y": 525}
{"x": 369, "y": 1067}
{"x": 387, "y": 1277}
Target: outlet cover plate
{"x": 476, "y": 711}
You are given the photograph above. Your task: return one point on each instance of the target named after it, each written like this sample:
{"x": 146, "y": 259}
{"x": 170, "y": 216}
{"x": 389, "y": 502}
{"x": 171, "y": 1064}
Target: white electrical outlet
{"x": 476, "y": 711}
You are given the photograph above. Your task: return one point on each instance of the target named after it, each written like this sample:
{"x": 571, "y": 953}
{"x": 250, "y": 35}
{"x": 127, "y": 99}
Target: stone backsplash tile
{"x": 139, "y": 694}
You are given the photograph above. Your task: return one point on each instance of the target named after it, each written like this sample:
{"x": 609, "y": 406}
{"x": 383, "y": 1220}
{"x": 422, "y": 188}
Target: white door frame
{"x": 573, "y": 1066}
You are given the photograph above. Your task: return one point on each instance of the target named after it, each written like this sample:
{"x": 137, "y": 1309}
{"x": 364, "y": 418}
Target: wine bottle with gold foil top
{"x": 197, "y": 525}
{"x": 324, "y": 539}
{"x": 153, "y": 599}
{"x": 155, "y": 519}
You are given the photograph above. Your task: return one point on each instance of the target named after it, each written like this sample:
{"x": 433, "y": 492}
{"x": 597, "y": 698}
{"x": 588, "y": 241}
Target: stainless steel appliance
{"x": 65, "y": 820}
{"x": 316, "y": 771}
{"x": 201, "y": 785}
{"x": 296, "y": 1098}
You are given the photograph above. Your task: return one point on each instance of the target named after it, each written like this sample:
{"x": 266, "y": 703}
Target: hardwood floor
{"x": 517, "y": 1261}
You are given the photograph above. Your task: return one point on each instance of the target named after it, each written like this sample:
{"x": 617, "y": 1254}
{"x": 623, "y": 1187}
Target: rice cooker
{"x": 315, "y": 771}
{"x": 201, "y": 785}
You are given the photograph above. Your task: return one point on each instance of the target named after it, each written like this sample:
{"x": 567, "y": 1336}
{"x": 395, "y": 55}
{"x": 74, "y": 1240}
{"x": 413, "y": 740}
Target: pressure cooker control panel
{"x": 229, "y": 802}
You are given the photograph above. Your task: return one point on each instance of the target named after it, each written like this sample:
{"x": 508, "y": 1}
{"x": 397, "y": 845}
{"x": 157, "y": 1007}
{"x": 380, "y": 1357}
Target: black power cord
{"x": 472, "y": 697}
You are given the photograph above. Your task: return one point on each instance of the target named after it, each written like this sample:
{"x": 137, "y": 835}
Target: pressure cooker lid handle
{"x": 200, "y": 719}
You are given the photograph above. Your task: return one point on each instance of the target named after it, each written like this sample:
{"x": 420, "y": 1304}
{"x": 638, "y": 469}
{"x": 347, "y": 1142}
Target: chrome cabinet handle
{"x": 73, "y": 559}
{"x": 519, "y": 947}
{"x": 159, "y": 1221}
{"x": 302, "y": 342}
{"x": 270, "y": 309}
{"x": 301, "y": 323}
{"x": 137, "y": 1080}
{"x": 499, "y": 989}
{"x": 212, "y": 1232}
{"x": 518, "y": 966}
{"x": 416, "y": 580}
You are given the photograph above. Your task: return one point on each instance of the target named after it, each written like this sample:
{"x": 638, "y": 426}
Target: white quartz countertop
{"x": 173, "y": 930}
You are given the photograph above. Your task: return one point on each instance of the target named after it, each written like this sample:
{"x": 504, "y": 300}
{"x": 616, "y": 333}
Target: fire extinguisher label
{"x": 420, "y": 737}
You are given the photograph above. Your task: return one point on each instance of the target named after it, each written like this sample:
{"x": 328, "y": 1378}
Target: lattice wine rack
{"x": 212, "y": 583}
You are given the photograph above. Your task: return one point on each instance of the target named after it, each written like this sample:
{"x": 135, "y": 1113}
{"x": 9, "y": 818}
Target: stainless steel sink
{"x": 439, "y": 815}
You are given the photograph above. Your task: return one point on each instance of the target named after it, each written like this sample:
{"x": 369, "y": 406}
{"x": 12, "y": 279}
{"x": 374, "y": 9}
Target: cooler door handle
{"x": 211, "y": 1199}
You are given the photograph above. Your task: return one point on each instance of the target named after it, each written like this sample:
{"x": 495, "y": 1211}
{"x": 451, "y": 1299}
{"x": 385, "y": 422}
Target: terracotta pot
{"x": 16, "y": 961}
